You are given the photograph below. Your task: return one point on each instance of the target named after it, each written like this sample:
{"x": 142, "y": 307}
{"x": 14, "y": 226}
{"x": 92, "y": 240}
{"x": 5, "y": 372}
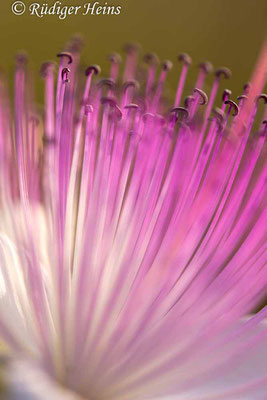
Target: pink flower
{"x": 133, "y": 234}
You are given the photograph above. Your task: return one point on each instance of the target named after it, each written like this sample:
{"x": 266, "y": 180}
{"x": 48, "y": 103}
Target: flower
{"x": 133, "y": 235}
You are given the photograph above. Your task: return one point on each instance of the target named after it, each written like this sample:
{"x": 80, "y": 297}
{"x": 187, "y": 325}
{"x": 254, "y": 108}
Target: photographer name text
{"x": 63, "y": 11}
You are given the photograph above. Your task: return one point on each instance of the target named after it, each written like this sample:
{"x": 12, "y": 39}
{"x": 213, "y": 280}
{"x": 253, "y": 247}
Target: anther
{"x": 167, "y": 65}
{"x": 233, "y": 105}
{"x": 48, "y": 140}
{"x": 263, "y": 133}
{"x": 34, "y": 120}
{"x": 45, "y": 68}
{"x": 107, "y": 82}
{"x": 112, "y": 103}
{"x": 131, "y": 83}
{"x": 188, "y": 101}
{"x": 263, "y": 97}
{"x": 185, "y": 58}
{"x": 203, "y": 96}
{"x": 151, "y": 59}
{"x": 21, "y": 57}
{"x": 223, "y": 71}
{"x": 161, "y": 120}
{"x": 247, "y": 88}
{"x": 64, "y": 75}
{"x": 148, "y": 115}
{"x": 67, "y": 55}
{"x": 93, "y": 69}
{"x": 206, "y": 66}
{"x": 180, "y": 113}
{"x": 76, "y": 43}
{"x": 21, "y": 60}
{"x": 242, "y": 98}
{"x": 114, "y": 58}
{"x": 131, "y": 47}
{"x": 226, "y": 94}
{"x": 219, "y": 116}
{"x": 131, "y": 106}
{"x": 88, "y": 109}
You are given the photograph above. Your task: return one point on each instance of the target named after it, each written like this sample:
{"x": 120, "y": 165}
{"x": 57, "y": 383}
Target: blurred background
{"x": 225, "y": 32}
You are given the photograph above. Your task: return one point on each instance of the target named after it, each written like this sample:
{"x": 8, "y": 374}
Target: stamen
{"x": 131, "y": 60}
{"x": 166, "y": 66}
{"x": 226, "y": 73}
{"x": 204, "y": 69}
{"x": 115, "y": 60}
{"x": 47, "y": 71}
{"x": 152, "y": 60}
{"x": 186, "y": 60}
{"x": 129, "y": 87}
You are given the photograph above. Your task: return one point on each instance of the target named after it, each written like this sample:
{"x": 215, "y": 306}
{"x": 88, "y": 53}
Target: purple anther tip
{"x": 181, "y": 112}
{"x": 131, "y": 47}
{"x": 206, "y": 66}
{"x": 114, "y": 58}
{"x": 64, "y": 75}
{"x": 93, "y": 69}
{"x": 21, "y": 58}
{"x": 131, "y": 83}
{"x": 131, "y": 106}
{"x": 188, "y": 100}
{"x": 88, "y": 109}
{"x": 223, "y": 71}
{"x": 202, "y": 94}
{"x": 185, "y": 58}
{"x": 67, "y": 55}
{"x": 233, "y": 105}
{"x": 151, "y": 59}
{"x": 147, "y": 116}
{"x": 45, "y": 67}
{"x": 167, "y": 65}
{"x": 35, "y": 120}
{"x": 263, "y": 97}
{"x": 47, "y": 140}
{"x": 226, "y": 94}
{"x": 112, "y": 103}
{"x": 242, "y": 97}
{"x": 161, "y": 120}
{"x": 219, "y": 115}
{"x": 76, "y": 43}
{"x": 107, "y": 82}
{"x": 247, "y": 87}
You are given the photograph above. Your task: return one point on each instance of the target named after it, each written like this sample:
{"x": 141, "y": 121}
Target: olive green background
{"x": 225, "y": 32}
